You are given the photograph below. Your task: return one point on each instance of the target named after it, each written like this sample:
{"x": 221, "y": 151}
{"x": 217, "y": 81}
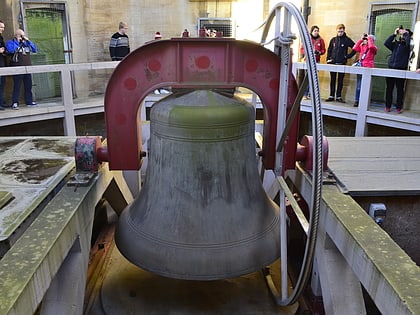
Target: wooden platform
{"x": 376, "y": 166}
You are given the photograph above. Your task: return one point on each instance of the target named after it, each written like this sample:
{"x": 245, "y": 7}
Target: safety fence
{"x": 368, "y": 111}
{"x": 82, "y": 87}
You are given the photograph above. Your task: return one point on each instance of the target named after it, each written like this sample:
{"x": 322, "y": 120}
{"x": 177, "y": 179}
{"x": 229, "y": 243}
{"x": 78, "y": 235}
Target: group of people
{"x": 341, "y": 48}
{"x": 119, "y": 45}
{"x": 19, "y": 50}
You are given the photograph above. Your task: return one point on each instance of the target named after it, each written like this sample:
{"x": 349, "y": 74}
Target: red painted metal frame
{"x": 86, "y": 151}
{"x": 195, "y": 63}
{"x": 305, "y": 152}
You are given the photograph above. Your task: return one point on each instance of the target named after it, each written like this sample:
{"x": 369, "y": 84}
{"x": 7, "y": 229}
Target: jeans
{"x": 27, "y": 84}
{"x": 358, "y": 86}
{"x": 306, "y": 91}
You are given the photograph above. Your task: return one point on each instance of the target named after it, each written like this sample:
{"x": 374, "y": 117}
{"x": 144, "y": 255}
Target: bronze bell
{"x": 202, "y": 213}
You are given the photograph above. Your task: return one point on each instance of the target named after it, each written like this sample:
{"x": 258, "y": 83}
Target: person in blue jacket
{"x": 2, "y": 64}
{"x": 20, "y": 48}
{"x": 400, "y": 45}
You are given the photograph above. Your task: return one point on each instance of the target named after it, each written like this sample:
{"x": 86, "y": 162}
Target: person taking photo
{"x": 367, "y": 51}
{"x": 20, "y": 47}
{"x": 399, "y": 43}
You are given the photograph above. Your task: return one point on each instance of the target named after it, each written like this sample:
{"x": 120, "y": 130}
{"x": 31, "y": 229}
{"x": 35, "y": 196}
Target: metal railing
{"x": 80, "y": 95}
{"x": 366, "y": 113}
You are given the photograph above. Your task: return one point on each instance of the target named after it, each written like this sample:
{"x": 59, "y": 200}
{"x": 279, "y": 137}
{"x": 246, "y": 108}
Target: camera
{"x": 365, "y": 37}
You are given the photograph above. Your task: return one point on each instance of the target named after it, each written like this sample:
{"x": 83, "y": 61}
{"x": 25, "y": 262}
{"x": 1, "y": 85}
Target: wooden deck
{"x": 376, "y": 166}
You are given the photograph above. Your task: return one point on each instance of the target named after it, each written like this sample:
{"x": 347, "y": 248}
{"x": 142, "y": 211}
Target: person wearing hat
{"x": 158, "y": 35}
{"x": 119, "y": 45}
{"x": 399, "y": 43}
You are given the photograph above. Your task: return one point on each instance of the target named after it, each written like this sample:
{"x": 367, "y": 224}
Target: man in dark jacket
{"x": 399, "y": 44}
{"x": 339, "y": 50}
{"x": 2, "y": 64}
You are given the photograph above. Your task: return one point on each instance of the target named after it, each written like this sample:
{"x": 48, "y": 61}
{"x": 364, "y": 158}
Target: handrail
{"x": 380, "y": 72}
{"x": 389, "y": 275}
{"x": 365, "y": 114}
{"x": 67, "y": 90}
{"x": 70, "y": 107}
{"x": 58, "y": 67}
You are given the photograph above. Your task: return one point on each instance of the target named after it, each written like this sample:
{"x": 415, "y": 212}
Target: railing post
{"x": 364, "y": 101}
{"x": 67, "y": 96}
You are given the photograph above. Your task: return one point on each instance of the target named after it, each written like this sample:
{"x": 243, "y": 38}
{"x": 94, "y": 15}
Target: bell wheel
{"x": 282, "y": 15}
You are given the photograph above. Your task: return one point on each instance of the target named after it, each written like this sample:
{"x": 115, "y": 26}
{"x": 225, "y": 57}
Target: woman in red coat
{"x": 318, "y": 45}
{"x": 367, "y": 50}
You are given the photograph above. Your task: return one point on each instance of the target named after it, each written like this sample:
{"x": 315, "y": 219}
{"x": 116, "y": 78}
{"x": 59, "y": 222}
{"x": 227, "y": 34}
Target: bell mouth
{"x": 193, "y": 261}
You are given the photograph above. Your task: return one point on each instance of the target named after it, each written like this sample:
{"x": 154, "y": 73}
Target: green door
{"x": 385, "y": 23}
{"x": 45, "y": 29}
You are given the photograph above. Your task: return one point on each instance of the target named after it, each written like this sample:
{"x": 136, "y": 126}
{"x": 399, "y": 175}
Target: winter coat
{"x": 338, "y": 50}
{"x": 366, "y": 52}
{"x": 119, "y": 46}
{"x": 23, "y": 51}
{"x": 318, "y": 45}
{"x": 2, "y": 56}
{"x": 400, "y": 48}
